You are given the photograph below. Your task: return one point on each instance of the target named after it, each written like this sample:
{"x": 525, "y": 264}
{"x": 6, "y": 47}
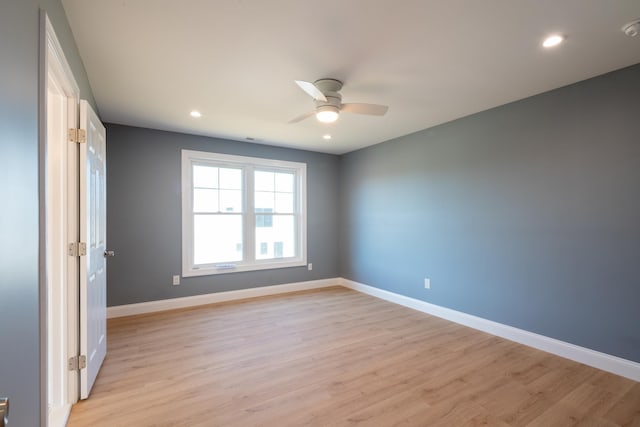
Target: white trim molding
{"x": 58, "y": 299}
{"x": 196, "y": 300}
{"x": 596, "y": 359}
{"x": 58, "y": 416}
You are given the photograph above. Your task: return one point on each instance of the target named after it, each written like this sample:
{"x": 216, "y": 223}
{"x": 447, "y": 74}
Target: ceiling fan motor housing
{"x": 330, "y": 88}
{"x": 328, "y": 85}
{"x": 333, "y": 101}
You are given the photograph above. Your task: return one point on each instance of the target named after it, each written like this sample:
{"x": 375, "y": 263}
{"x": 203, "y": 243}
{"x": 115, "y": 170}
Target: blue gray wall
{"x": 20, "y": 320}
{"x": 144, "y": 215}
{"x": 527, "y": 214}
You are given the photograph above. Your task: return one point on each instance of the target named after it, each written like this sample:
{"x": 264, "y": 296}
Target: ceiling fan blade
{"x": 302, "y": 117}
{"x": 312, "y": 90}
{"x": 370, "y": 109}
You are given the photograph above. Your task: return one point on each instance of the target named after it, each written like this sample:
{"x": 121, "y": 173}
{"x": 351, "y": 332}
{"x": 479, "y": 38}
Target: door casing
{"x": 59, "y": 200}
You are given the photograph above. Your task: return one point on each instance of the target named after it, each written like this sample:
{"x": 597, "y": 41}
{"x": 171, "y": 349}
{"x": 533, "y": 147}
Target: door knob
{"x": 109, "y": 254}
{"x": 4, "y": 411}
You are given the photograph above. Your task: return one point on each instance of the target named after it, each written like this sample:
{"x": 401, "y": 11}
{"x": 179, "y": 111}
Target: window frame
{"x": 248, "y": 165}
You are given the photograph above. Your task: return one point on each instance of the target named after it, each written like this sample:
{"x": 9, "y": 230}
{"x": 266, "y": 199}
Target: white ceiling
{"x": 150, "y": 62}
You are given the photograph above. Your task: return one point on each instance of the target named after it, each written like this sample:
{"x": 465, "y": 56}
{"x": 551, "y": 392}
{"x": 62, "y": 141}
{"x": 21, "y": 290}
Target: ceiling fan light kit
{"x": 327, "y": 113}
{"x": 328, "y": 101}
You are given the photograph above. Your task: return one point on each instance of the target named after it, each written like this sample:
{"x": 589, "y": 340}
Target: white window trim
{"x": 189, "y": 157}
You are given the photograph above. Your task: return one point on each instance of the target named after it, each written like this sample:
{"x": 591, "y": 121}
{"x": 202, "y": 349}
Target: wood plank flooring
{"x": 335, "y": 357}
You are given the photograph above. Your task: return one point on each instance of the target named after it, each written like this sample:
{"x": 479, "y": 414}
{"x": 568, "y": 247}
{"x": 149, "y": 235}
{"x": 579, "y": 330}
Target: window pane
{"x": 284, "y": 182}
{"x": 264, "y": 201}
{"x": 279, "y": 239}
{"x": 217, "y": 238}
{"x": 230, "y": 179}
{"x": 205, "y": 176}
{"x": 278, "y": 248}
{"x": 230, "y": 201}
{"x": 264, "y": 181}
{"x": 284, "y": 202}
{"x": 205, "y": 200}
{"x": 264, "y": 220}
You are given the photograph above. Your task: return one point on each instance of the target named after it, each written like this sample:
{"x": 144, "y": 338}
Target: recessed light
{"x": 553, "y": 40}
{"x": 195, "y": 113}
{"x": 327, "y": 136}
{"x": 632, "y": 29}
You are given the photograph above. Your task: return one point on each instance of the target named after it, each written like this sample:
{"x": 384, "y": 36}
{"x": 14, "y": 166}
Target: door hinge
{"x": 77, "y": 135}
{"x": 77, "y": 363}
{"x": 77, "y": 249}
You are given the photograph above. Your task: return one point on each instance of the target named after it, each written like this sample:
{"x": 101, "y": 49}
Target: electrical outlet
{"x": 176, "y": 280}
{"x": 309, "y": 266}
{"x": 427, "y": 283}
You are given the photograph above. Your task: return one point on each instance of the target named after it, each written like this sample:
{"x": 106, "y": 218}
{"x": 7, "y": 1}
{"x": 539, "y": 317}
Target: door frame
{"x": 66, "y": 342}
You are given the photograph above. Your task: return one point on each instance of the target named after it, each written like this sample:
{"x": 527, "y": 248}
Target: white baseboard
{"x": 58, "y": 416}
{"x": 192, "y": 301}
{"x": 606, "y": 362}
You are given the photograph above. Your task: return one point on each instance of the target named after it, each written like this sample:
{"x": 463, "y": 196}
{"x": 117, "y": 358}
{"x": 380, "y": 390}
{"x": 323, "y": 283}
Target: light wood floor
{"x": 335, "y": 357}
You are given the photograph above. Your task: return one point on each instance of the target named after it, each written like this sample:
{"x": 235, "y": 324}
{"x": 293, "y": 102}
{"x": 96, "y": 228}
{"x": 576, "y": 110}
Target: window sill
{"x": 239, "y": 268}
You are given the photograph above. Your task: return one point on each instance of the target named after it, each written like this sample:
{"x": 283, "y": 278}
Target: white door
{"x": 93, "y": 271}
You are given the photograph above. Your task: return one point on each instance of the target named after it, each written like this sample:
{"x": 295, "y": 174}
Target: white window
{"x": 241, "y": 213}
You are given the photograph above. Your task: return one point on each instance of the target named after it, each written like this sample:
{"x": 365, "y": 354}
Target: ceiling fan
{"x": 328, "y": 100}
